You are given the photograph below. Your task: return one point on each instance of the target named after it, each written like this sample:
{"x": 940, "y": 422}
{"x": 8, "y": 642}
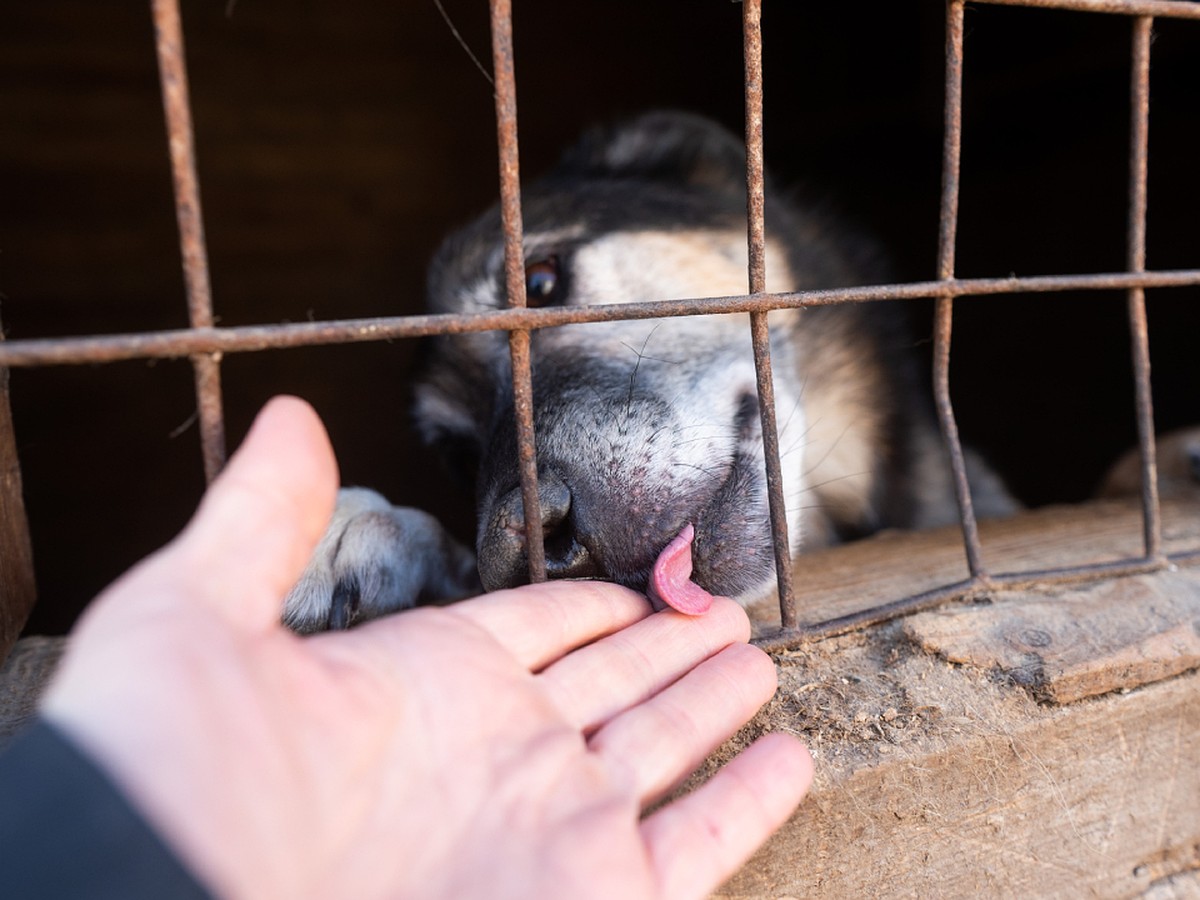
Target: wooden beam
{"x": 17, "y": 588}
{"x": 941, "y": 768}
{"x": 941, "y": 771}
{"x": 1112, "y": 636}
{"x": 973, "y": 789}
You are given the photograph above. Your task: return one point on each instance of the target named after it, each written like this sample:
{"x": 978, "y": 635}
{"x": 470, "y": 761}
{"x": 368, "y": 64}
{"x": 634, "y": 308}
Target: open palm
{"x": 505, "y": 746}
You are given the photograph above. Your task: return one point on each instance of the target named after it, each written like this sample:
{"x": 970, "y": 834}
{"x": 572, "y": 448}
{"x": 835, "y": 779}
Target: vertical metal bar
{"x": 755, "y": 189}
{"x": 18, "y": 590}
{"x": 943, "y": 319}
{"x": 1139, "y": 335}
{"x": 173, "y": 75}
{"x": 759, "y": 330}
{"x": 514, "y": 279}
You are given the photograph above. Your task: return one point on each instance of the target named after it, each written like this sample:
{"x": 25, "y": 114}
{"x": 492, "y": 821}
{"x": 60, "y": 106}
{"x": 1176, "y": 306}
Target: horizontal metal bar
{"x": 786, "y": 639}
{"x": 185, "y": 342}
{"x": 1168, "y": 9}
{"x": 972, "y": 587}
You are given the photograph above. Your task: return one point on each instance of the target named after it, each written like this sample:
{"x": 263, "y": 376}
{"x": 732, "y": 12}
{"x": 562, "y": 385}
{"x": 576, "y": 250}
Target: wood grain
{"x": 17, "y": 589}
{"x": 1112, "y": 636}
{"x": 1001, "y": 797}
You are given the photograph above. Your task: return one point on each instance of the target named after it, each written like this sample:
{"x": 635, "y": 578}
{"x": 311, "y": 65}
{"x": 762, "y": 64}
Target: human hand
{"x": 503, "y": 746}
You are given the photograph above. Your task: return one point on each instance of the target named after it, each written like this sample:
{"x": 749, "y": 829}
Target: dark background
{"x": 338, "y": 142}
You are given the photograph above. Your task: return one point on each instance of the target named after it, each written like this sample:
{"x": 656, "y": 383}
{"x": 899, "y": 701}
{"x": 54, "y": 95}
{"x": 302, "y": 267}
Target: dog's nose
{"x": 503, "y": 560}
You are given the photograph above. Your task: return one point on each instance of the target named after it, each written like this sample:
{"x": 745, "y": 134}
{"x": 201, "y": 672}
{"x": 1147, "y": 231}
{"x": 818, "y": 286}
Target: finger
{"x": 663, "y": 740}
{"x": 540, "y": 623}
{"x": 699, "y": 841}
{"x": 595, "y": 683}
{"x": 259, "y": 522}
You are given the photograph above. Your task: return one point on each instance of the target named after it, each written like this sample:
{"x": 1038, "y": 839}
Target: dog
{"x": 643, "y": 427}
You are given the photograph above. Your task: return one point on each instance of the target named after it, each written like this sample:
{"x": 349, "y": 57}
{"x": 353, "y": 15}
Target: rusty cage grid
{"x": 205, "y": 343}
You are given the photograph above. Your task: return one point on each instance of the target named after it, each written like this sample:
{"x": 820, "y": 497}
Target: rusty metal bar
{"x": 971, "y": 588}
{"x": 176, "y": 343}
{"x": 943, "y": 321}
{"x": 514, "y": 280}
{"x": 1139, "y": 335}
{"x": 173, "y": 76}
{"x": 756, "y": 236}
{"x": 760, "y": 333}
{"x": 1177, "y": 9}
{"x": 787, "y": 638}
{"x": 18, "y": 589}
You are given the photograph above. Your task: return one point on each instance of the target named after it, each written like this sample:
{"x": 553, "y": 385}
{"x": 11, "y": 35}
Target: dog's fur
{"x": 645, "y": 426}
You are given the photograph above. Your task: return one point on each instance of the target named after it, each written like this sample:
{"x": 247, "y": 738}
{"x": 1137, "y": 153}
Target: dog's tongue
{"x": 670, "y": 580}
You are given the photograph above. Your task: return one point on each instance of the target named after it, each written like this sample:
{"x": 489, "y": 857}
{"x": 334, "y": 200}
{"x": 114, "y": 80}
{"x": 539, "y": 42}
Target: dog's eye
{"x": 542, "y": 282}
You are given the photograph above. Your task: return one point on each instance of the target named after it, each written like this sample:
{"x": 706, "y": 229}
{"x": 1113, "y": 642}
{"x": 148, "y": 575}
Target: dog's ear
{"x": 668, "y": 146}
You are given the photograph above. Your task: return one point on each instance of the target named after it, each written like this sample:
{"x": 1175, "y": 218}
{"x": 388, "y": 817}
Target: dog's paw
{"x": 376, "y": 558}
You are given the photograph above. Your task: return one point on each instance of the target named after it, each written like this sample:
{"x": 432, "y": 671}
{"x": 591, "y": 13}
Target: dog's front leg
{"x": 376, "y": 558}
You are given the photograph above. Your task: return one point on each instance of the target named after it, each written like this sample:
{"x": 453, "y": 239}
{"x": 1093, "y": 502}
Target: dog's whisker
{"x": 703, "y": 438}
{"x": 701, "y": 468}
{"x": 657, "y": 359}
{"x": 641, "y": 354}
{"x": 708, "y": 428}
{"x": 718, "y": 475}
{"x": 793, "y": 510}
{"x": 799, "y": 444}
{"x": 834, "y": 480}
{"x": 833, "y": 446}
{"x": 795, "y": 408}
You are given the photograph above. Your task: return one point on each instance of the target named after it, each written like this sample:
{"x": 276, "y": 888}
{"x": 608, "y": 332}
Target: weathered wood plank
{"x": 17, "y": 589}
{"x": 966, "y": 787}
{"x": 936, "y": 781}
{"x": 1111, "y": 636}
{"x": 939, "y": 779}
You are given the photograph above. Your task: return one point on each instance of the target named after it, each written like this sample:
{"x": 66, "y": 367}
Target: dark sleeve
{"x": 66, "y": 831}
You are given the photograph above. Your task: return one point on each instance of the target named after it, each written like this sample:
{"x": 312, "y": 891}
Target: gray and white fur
{"x": 645, "y": 426}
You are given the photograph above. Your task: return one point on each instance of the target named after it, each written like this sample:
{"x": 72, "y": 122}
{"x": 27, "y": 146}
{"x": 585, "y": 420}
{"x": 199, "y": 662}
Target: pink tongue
{"x": 670, "y": 580}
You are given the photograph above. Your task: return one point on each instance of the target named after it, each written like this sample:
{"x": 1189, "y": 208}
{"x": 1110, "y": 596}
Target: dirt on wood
{"x": 860, "y": 698}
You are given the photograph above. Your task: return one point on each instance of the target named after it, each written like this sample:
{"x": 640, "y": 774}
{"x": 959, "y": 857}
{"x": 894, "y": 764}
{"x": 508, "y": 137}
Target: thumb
{"x": 248, "y": 542}
{"x": 259, "y": 522}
